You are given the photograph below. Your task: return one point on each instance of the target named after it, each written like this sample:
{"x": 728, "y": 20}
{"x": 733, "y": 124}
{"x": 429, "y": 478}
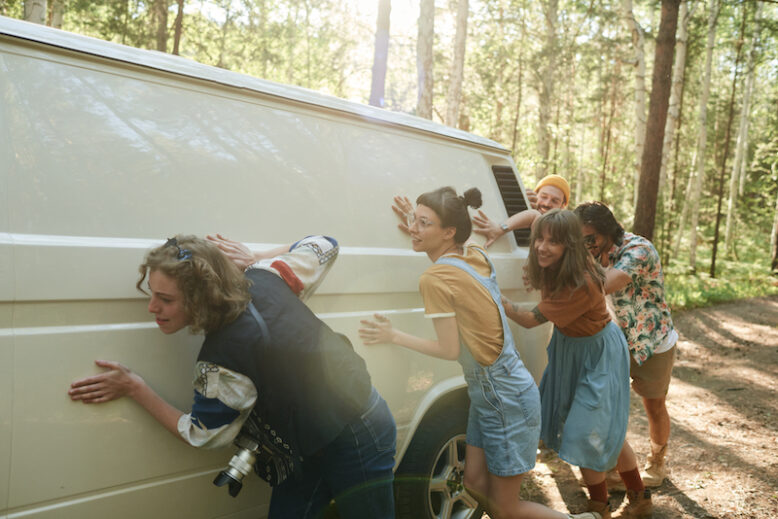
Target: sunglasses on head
{"x": 183, "y": 254}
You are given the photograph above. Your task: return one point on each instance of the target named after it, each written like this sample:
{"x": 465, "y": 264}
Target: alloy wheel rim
{"x": 448, "y": 498}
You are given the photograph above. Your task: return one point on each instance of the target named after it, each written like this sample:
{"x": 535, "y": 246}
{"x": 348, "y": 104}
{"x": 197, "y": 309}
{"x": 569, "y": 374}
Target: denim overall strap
{"x": 490, "y": 283}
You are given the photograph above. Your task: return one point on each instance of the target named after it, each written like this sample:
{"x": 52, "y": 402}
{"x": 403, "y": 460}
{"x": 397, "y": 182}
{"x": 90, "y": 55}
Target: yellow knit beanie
{"x": 557, "y": 182}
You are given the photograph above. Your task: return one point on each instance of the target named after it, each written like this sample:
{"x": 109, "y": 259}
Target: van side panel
{"x": 108, "y": 159}
{"x": 6, "y": 399}
{"x": 6, "y": 307}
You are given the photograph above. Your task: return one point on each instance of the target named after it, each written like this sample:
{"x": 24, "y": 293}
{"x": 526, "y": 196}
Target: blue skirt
{"x": 584, "y": 396}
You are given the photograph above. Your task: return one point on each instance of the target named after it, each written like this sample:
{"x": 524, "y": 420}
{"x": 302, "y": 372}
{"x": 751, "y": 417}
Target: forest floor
{"x": 723, "y": 404}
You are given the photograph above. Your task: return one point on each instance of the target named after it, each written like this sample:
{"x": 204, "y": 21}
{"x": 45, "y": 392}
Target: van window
{"x": 512, "y": 197}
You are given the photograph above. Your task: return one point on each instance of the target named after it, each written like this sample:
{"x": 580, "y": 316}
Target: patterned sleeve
{"x": 437, "y": 296}
{"x": 635, "y": 260}
{"x": 223, "y": 400}
{"x": 306, "y": 264}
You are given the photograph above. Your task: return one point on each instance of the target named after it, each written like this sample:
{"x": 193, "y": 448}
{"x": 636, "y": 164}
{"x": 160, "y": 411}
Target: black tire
{"x": 429, "y": 481}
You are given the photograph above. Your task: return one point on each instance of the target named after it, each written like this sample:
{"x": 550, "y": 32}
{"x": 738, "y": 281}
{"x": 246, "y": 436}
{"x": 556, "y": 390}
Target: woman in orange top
{"x": 584, "y": 392}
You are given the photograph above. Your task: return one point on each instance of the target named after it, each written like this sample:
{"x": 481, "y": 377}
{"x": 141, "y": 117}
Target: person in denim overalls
{"x": 462, "y": 298}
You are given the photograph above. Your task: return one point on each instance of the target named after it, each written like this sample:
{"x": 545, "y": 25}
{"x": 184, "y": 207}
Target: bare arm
{"x": 380, "y": 331}
{"x": 485, "y": 226}
{"x": 118, "y": 382}
{"x": 615, "y": 280}
{"x": 525, "y": 318}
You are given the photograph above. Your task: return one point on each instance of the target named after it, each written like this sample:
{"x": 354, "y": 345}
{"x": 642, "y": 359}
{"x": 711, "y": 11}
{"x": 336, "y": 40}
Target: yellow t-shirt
{"x": 449, "y": 291}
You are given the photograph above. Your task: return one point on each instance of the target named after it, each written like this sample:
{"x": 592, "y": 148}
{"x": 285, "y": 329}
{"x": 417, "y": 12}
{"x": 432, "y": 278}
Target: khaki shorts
{"x": 652, "y": 379}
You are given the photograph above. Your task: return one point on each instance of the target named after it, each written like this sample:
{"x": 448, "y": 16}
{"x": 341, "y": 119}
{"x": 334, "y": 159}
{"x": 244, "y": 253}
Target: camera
{"x": 259, "y": 448}
{"x": 240, "y": 465}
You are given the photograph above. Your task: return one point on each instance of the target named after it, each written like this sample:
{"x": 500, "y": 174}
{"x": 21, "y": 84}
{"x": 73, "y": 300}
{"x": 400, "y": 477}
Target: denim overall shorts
{"x": 504, "y": 416}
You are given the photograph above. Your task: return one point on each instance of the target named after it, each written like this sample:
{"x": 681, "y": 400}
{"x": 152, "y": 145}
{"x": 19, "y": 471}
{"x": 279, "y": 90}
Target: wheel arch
{"x": 450, "y": 392}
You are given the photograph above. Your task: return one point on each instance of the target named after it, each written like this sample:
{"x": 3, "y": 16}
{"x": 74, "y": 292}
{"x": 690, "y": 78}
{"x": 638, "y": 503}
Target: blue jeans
{"x": 355, "y": 470}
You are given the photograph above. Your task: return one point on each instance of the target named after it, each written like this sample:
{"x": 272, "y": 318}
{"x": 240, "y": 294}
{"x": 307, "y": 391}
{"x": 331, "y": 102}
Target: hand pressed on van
{"x": 118, "y": 382}
{"x": 403, "y": 208}
{"x": 484, "y": 226}
{"x": 380, "y": 331}
{"x": 238, "y": 253}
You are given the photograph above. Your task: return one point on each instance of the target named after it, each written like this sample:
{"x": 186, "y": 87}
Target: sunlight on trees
{"x": 559, "y": 82}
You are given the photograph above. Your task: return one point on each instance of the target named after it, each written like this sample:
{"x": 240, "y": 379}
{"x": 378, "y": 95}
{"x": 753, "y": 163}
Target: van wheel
{"x": 429, "y": 482}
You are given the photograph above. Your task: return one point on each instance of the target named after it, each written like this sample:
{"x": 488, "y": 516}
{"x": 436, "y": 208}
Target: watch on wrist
{"x": 504, "y": 227}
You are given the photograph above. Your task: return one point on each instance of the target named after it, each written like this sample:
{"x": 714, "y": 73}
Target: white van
{"x": 107, "y": 150}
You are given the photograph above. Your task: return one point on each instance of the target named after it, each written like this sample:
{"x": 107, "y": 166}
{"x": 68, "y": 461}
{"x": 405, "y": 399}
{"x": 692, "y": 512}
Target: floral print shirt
{"x": 640, "y": 307}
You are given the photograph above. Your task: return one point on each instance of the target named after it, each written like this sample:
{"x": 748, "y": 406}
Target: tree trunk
{"x": 673, "y": 123}
{"x": 674, "y": 107}
{"x": 380, "y": 54}
{"x": 727, "y": 138}
{"x": 159, "y": 19}
{"x": 547, "y": 78}
{"x": 457, "y": 65}
{"x": 56, "y": 13}
{"x": 178, "y": 27}
{"x": 570, "y": 105}
{"x": 639, "y": 63}
{"x": 262, "y": 28}
{"x": 35, "y": 11}
{"x": 496, "y": 132}
{"x": 520, "y": 90}
{"x": 738, "y": 166}
{"x": 774, "y": 234}
{"x": 702, "y": 135}
{"x": 580, "y": 179}
{"x": 424, "y": 64}
{"x": 674, "y": 184}
{"x": 645, "y": 210}
{"x": 607, "y": 139}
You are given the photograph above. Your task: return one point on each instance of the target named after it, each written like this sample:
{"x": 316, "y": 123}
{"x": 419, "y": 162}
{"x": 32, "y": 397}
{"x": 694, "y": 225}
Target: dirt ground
{"x": 722, "y": 402}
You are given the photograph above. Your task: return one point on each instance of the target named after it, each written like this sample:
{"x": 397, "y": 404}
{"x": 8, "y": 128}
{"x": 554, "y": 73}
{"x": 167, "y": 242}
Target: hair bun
{"x": 472, "y": 198}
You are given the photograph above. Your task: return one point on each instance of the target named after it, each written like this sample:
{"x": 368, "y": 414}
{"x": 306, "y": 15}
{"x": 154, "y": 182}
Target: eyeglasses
{"x": 590, "y": 241}
{"x": 183, "y": 254}
{"x": 421, "y": 220}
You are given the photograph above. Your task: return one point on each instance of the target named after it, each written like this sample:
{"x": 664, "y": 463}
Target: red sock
{"x": 598, "y": 492}
{"x": 632, "y": 479}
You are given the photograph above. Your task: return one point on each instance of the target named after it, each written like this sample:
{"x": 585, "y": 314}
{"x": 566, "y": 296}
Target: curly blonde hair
{"x": 571, "y": 270}
{"x": 214, "y": 290}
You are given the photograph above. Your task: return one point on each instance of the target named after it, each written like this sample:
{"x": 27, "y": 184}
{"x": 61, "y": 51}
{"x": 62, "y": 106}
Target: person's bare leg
{"x": 506, "y": 503}
{"x": 627, "y": 460}
{"x": 476, "y": 477}
{"x": 658, "y": 420}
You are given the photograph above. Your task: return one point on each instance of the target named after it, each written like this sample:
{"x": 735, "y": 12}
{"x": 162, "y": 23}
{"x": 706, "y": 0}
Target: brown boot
{"x": 602, "y": 509}
{"x": 638, "y": 505}
{"x": 655, "y": 471}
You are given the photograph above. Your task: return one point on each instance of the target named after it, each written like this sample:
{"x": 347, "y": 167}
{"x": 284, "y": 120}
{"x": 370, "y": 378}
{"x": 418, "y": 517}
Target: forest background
{"x": 563, "y": 84}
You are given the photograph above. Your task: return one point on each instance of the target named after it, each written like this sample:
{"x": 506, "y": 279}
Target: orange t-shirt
{"x": 449, "y": 291}
{"x": 577, "y": 313}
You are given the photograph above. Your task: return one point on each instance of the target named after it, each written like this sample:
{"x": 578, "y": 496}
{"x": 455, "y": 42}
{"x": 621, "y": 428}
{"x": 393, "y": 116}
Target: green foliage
{"x": 326, "y": 45}
{"x": 748, "y": 277}
{"x": 12, "y": 8}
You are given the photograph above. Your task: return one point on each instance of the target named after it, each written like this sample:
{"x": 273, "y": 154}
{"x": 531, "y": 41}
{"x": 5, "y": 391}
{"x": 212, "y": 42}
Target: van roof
{"x": 186, "y": 67}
